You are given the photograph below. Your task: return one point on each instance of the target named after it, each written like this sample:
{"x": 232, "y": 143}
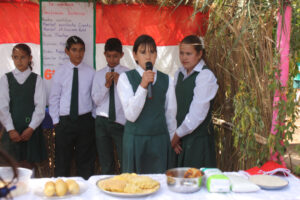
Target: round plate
{"x": 120, "y": 194}
{"x": 39, "y": 191}
{"x": 269, "y": 182}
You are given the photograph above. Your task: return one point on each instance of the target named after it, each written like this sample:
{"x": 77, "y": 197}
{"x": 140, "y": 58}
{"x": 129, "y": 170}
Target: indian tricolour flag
{"x": 20, "y": 23}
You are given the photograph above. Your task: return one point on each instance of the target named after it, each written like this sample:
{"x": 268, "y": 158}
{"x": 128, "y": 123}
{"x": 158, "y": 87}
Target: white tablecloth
{"x": 291, "y": 192}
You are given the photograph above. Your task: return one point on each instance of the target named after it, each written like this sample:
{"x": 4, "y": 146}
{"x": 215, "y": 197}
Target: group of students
{"x": 173, "y": 128}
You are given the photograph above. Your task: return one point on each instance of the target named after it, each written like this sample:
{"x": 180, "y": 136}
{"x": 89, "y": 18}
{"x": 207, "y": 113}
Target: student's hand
{"x": 148, "y": 77}
{"x": 109, "y": 79}
{"x": 27, "y": 133}
{"x": 177, "y": 149}
{"x": 116, "y": 77}
{"x": 175, "y": 140}
{"x": 14, "y": 136}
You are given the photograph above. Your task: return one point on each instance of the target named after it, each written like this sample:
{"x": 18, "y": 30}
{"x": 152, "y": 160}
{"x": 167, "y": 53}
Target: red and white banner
{"x": 19, "y": 23}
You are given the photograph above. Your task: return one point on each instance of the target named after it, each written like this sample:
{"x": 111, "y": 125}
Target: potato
{"x": 61, "y": 187}
{"x": 49, "y": 189}
{"x": 73, "y": 186}
{"x": 59, "y": 180}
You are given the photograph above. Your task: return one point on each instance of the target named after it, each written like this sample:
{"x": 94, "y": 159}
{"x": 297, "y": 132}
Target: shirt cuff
{"x": 180, "y": 132}
{"x": 9, "y": 127}
{"x": 141, "y": 90}
{"x": 32, "y": 125}
{"x": 171, "y": 136}
{"x": 55, "y": 121}
{"x": 104, "y": 89}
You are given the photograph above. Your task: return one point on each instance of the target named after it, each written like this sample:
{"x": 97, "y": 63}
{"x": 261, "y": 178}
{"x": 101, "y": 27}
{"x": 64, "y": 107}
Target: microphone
{"x": 149, "y": 66}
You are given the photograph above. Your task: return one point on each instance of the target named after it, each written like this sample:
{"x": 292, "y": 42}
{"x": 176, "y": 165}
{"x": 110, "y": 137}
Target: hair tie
{"x": 202, "y": 42}
{"x": 75, "y": 39}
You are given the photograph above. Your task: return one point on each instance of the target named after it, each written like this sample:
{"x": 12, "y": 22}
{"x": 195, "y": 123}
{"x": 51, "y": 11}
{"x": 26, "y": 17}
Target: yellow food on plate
{"x": 73, "y": 186}
{"x": 49, "y": 189}
{"x": 132, "y": 189}
{"x": 61, "y": 187}
{"x": 125, "y": 176}
{"x": 129, "y": 183}
{"x": 143, "y": 182}
{"x": 112, "y": 185}
{"x": 59, "y": 180}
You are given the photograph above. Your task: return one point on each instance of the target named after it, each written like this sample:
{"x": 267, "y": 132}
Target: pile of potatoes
{"x": 61, "y": 187}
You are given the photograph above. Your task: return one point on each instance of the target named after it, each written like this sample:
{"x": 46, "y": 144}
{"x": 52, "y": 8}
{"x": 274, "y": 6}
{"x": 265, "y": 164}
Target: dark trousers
{"x": 107, "y": 134}
{"x": 76, "y": 137}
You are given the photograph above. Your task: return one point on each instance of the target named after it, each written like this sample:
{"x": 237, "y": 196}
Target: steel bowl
{"x": 177, "y": 183}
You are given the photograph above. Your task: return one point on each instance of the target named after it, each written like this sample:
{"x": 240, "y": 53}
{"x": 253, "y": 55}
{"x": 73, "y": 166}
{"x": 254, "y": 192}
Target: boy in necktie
{"x": 70, "y": 106}
{"x": 110, "y": 118}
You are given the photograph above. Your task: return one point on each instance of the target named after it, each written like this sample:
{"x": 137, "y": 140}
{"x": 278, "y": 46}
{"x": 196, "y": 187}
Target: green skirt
{"x": 146, "y": 154}
{"x": 198, "y": 150}
{"x": 34, "y": 150}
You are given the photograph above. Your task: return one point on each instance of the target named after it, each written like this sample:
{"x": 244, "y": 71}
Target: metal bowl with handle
{"x": 177, "y": 183}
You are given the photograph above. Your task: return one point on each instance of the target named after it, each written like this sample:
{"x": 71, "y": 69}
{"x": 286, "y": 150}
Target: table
{"x": 291, "y": 192}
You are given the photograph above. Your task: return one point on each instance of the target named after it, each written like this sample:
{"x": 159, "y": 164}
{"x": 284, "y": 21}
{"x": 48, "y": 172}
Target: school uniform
{"x": 150, "y": 122}
{"x": 110, "y": 120}
{"x": 22, "y": 105}
{"x": 195, "y": 93}
{"x": 75, "y": 125}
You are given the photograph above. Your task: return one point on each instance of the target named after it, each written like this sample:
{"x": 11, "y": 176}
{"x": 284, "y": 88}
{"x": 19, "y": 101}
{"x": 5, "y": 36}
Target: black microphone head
{"x": 149, "y": 66}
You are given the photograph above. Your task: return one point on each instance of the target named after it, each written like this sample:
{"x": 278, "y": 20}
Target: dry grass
{"x": 241, "y": 49}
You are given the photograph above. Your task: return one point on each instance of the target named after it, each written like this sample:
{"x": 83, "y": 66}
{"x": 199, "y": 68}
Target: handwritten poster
{"x": 59, "y": 21}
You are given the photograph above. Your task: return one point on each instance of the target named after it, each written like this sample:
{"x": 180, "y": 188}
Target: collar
{"x": 197, "y": 68}
{"x": 116, "y": 68}
{"x": 16, "y": 71}
{"x": 73, "y": 66}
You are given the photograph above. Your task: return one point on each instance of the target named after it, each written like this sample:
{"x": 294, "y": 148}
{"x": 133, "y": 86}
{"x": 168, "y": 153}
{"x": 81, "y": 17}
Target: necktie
{"x": 112, "y": 111}
{"x": 74, "y": 96}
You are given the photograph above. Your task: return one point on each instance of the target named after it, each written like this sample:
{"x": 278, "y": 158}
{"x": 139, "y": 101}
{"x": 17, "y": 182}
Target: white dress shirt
{"x": 205, "y": 90}
{"x": 100, "y": 94}
{"x": 61, "y": 89}
{"x": 133, "y": 103}
{"x": 39, "y": 100}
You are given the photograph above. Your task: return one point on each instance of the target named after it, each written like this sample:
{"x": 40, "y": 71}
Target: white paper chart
{"x": 59, "y": 21}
